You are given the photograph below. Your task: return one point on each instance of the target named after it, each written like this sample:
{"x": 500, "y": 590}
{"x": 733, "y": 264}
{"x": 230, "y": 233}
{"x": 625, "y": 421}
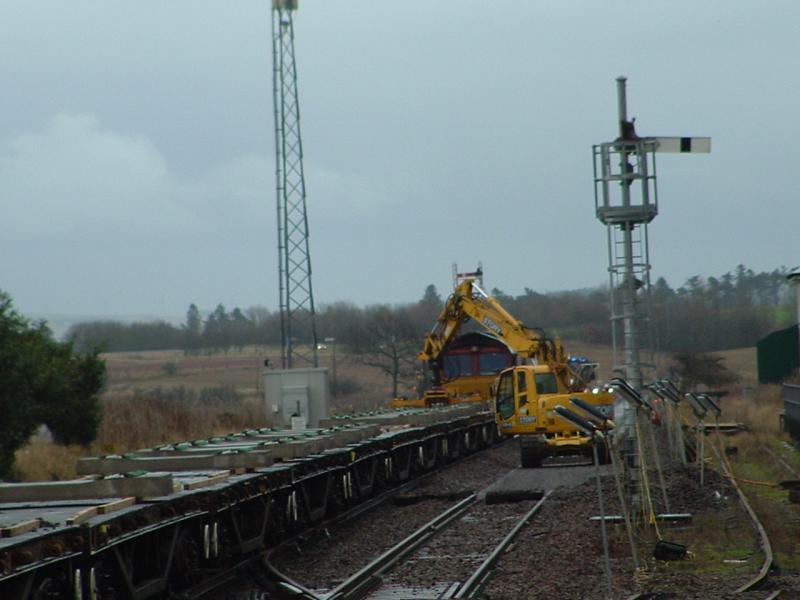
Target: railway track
{"x": 766, "y": 546}
{"x": 444, "y": 556}
{"x": 262, "y": 578}
{"x": 258, "y": 577}
{"x": 760, "y": 584}
{"x": 440, "y": 560}
{"x": 452, "y": 561}
{"x": 316, "y": 558}
{"x": 766, "y": 581}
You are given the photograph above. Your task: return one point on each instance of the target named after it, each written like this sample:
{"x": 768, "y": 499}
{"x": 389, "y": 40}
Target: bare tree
{"x": 694, "y": 368}
{"x": 385, "y": 339}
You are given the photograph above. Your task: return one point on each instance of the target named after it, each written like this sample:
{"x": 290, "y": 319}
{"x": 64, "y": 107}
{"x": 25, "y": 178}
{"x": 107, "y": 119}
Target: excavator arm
{"x": 470, "y": 302}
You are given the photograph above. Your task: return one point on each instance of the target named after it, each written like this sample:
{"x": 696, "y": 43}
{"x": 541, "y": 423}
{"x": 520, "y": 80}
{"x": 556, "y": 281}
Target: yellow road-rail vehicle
{"x": 523, "y": 381}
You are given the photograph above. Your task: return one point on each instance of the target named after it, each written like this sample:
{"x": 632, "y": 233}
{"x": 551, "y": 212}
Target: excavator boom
{"x": 470, "y": 302}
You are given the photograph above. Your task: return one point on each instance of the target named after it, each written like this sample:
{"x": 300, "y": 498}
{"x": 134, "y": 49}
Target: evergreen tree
{"x": 44, "y": 382}
{"x": 192, "y": 330}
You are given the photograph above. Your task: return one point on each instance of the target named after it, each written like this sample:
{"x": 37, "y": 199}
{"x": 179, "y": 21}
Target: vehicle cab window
{"x": 522, "y": 388}
{"x": 546, "y": 383}
{"x": 505, "y": 395}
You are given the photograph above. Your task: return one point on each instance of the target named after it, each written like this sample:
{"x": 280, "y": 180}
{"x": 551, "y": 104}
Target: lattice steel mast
{"x": 298, "y": 328}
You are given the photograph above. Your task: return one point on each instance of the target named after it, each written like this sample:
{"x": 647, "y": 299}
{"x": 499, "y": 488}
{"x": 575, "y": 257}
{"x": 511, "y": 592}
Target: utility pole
{"x": 298, "y": 327}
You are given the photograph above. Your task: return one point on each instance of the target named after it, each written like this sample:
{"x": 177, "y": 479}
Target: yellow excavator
{"x": 524, "y": 395}
{"x": 462, "y": 368}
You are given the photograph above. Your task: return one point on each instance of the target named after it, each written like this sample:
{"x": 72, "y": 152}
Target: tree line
{"x": 704, "y": 314}
{"x": 222, "y": 330}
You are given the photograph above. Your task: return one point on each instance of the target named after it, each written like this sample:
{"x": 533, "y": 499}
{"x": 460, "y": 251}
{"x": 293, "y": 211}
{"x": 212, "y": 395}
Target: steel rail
{"x": 280, "y": 584}
{"x": 481, "y": 574}
{"x": 766, "y": 546}
{"x": 785, "y": 465}
{"x": 210, "y": 587}
{"x": 382, "y": 497}
{"x": 359, "y": 583}
{"x": 281, "y": 579}
{"x": 277, "y": 585}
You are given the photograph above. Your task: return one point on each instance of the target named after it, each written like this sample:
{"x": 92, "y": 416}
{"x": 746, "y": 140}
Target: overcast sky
{"x": 137, "y": 164}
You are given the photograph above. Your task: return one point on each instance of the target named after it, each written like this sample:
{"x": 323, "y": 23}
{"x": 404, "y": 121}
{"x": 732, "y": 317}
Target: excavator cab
{"x": 525, "y": 400}
{"x": 520, "y": 392}
{"x": 506, "y": 396}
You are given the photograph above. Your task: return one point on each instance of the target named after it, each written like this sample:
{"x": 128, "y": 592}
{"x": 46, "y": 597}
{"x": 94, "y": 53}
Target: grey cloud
{"x": 136, "y": 149}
